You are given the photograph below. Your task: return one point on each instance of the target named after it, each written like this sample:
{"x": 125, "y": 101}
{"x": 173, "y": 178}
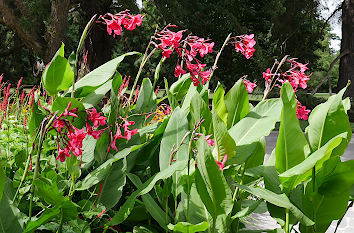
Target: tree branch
{"x": 327, "y": 20}
{"x": 329, "y": 71}
{"x": 11, "y": 21}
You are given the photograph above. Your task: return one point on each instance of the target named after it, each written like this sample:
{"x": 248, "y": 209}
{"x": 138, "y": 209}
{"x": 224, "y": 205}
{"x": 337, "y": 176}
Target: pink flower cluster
{"x": 114, "y": 22}
{"x": 70, "y": 138}
{"x": 249, "y": 85}
{"x": 297, "y": 78}
{"x": 128, "y": 133}
{"x": 302, "y": 112}
{"x": 222, "y": 164}
{"x": 245, "y": 44}
{"x": 187, "y": 50}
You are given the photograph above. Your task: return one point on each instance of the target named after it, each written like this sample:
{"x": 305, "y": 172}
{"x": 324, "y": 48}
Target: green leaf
{"x": 188, "y": 98}
{"x": 225, "y": 144}
{"x": 127, "y": 207}
{"x": 180, "y": 88}
{"x": 280, "y": 200}
{"x": 200, "y": 109}
{"x": 116, "y": 84}
{"x": 102, "y": 146}
{"x": 2, "y": 180}
{"x": 112, "y": 186}
{"x": 10, "y": 221}
{"x": 152, "y": 207}
{"x": 237, "y": 104}
{"x": 58, "y": 76}
{"x": 248, "y": 132}
{"x": 171, "y": 98}
{"x": 47, "y": 215}
{"x": 100, "y": 173}
{"x": 219, "y": 103}
{"x": 330, "y": 199}
{"x": 61, "y": 103}
{"x": 302, "y": 171}
{"x": 98, "y": 76}
{"x": 291, "y": 143}
{"x": 211, "y": 183}
{"x": 176, "y": 129}
{"x": 48, "y": 190}
{"x": 143, "y": 102}
{"x": 36, "y": 118}
{"x": 328, "y": 120}
{"x": 97, "y": 95}
{"x": 186, "y": 227}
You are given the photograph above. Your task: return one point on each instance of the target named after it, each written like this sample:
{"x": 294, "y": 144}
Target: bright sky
{"x": 330, "y": 6}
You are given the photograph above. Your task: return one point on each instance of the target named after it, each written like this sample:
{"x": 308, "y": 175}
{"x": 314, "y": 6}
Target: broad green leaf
{"x": 330, "y": 199}
{"x": 224, "y": 142}
{"x": 2, "y": 180}
{"x": 328, "y": 120}
{"x": 180, "y": 88}
{"x": 141, "y": 229}
{"x": 10, "y": 221}
{"x": 116, "y": 84}
{"x": 47, "y": 215}
{"x": 100, "y": 173}
{"x": 186, "y": 227}
{"x": 199, "y": 109}
{"x": 36, "y": 118}
{"x": 88, "y": 147}
{"x": 248, "y": 210}
{"x": 143, "y": 103}
{"x": 219, "y": 103}
{"x": 112, "y": 186}
{"x": 102, "y": 145}
{"x": 85, "y": 32}
{"x": 302, "y": 171}
{"x": 61, "y": 103}
{"x": 171, "y": 98}
{"x": 188, "y": 98}
{"x": 248, "y": 132}
{"x": 280, "y": 200}
{"x": 176, "y": 129}
{"x": 211, "y": 184}
{"x": 152, "y": 207}
{"x": 127, "y": 207}
{"x": 258, "y": 123}
{"x": 237, "y": 104}
{"x": 98, "y": 76}
{"x": 291, "y": 143}
{"x": 58, "y": 76}
{"x": 48, "y": 191}
{"x": 97, "y": 95}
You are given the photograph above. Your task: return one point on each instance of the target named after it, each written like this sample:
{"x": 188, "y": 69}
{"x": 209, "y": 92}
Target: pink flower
{"x": 95, "y": 134}
{"x": 267, "y": 75}
{"x": 167, "y": 52}
{"x": 245, "y": 45}
{"x": 59, "y": 124}
{"x": 71, "y": 112}
{"x": 75, "y": 140}
{"x": 204, "y": 75}
{"x": 302, "y": 112}
{"x": 179, "y": 70}
{"x": 249, "y": 85}
{"x": 132, "y": 21}
{"x": 222, "y": 164}
{"x": 62, "y": 154}
{"x": 209, "y": 141}
{"x": 96, "y": 117}
{"x": 127, "y": 132}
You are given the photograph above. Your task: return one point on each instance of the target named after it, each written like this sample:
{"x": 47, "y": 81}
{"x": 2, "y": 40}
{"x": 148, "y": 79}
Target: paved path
{"x": 264, "y": 221}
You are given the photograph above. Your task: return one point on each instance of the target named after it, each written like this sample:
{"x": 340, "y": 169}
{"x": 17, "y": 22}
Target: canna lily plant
{"x": 91, "y": 156}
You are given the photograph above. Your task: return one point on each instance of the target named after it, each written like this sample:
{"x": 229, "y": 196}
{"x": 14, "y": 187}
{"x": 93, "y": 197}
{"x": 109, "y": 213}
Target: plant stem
{"x": 287, "y": 221}
{"x": 314, "y": 178}
{"x": 218, "y": 55}
{"x": 237, "y": 190}
{"x": 166, "y": 209}
{"x": 60, "y": 223}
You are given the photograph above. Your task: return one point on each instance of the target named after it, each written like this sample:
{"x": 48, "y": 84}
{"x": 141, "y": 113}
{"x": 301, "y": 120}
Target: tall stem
{"x": 287, "y": 221}
{"x": 218, "y": 55}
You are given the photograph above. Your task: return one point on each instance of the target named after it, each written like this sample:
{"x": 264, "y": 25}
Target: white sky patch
{"x": 328, "y": 7}
{"x": 139, "y": 3}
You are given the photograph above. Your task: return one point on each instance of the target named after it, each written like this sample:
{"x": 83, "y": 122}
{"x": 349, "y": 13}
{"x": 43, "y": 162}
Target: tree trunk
{"x": 98, "y": 43}
{"x": 346, "y": 65}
